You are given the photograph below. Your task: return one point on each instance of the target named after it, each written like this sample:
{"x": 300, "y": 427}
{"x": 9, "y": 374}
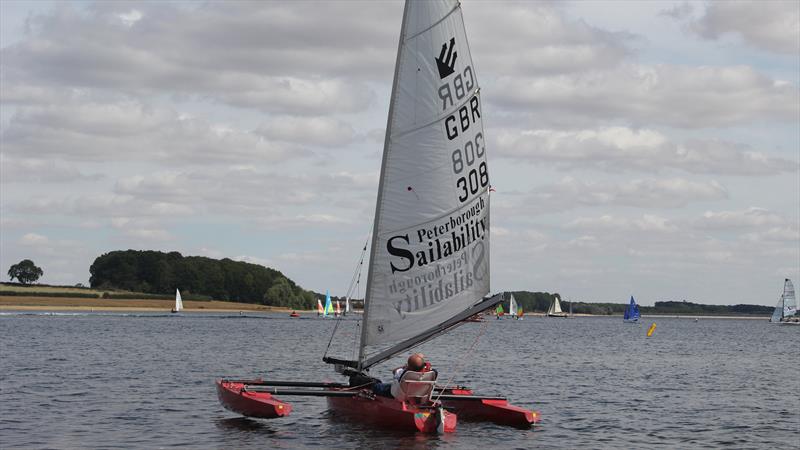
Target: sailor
{"x": 415, "y": 363}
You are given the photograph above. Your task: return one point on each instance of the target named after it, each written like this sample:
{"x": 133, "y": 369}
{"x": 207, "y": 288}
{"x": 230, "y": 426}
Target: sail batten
{"x": 429, "y": 260}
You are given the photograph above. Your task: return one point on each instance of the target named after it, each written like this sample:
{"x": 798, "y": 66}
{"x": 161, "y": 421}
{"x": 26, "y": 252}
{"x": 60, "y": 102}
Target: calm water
{"x": 146, "y": 381}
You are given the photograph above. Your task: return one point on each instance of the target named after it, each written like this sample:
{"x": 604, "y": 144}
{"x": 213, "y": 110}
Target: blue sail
{"x": 328, "y": 305}
{"x": 632, "y": 312}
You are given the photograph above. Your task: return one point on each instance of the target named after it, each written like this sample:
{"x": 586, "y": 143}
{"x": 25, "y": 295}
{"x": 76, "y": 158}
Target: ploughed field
{"x": 146, "y": 380}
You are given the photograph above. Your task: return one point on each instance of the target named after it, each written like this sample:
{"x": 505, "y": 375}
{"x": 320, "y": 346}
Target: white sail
{"x": 512, "y": 306}
{"x": 347, "y": 305}
{"x": 555, "y": 307}
{"x": 430, "y": 251}
{"x": 178, "y": 300}
{"x": 789, "y": 302}
{"x": 777, "y": 313}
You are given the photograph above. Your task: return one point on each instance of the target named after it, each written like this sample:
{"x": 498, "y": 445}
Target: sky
{"x": 636, "y": 148}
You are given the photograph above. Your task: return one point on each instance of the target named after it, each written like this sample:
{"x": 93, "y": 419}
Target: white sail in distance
{"x": 555, "y": 307}
{"x": 429, "y": 258}
{"x": 178, "y": 300}
{"x": 512, "y": 306}
{"x": 789, "y": 302}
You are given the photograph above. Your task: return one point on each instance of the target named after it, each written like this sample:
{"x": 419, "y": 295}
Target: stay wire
{"x": 463, "y": 358}
{"x": 356, "y": 275}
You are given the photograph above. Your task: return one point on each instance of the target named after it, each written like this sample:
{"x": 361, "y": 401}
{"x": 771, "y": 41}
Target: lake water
{"x": 147, "y": 381}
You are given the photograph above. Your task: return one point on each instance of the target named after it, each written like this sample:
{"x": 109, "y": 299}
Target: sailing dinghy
{"x": 512, "y": 308}
{"x": 632, "y": 314}
{"x": 786, "y": 309}
{"x": 178, "y": 302}
{"x": 428, "y": 269}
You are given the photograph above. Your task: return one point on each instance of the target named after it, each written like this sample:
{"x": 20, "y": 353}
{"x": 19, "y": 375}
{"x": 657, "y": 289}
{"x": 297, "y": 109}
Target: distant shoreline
{"x": 33, "y": 303}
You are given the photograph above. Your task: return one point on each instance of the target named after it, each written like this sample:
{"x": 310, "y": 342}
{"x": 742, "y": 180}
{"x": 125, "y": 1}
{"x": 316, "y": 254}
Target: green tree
{"x": 25, "y": 272}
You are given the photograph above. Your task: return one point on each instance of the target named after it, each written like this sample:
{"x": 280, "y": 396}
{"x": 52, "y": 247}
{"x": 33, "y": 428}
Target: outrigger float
{"x": 428, "y": 268}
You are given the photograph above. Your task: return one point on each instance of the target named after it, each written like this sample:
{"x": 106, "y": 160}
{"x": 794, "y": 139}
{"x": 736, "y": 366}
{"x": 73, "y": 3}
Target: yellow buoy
{"x": 651, "y": 330}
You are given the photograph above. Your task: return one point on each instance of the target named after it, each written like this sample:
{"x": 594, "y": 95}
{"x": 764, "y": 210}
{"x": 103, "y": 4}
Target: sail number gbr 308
{"x": 469, "y": 162}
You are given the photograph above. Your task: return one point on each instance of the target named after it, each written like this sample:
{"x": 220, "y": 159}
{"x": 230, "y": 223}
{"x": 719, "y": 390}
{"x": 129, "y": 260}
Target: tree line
{"x": 540, "y": 302}
{"x": 155, "y": 272}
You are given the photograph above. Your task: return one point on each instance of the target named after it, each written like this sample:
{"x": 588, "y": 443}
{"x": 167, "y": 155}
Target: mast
{"x": 384, "y": 161}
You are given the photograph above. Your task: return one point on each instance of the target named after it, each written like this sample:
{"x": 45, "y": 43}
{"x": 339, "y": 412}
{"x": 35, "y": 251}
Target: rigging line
{"x": 349, "y": 291}
{"x": 463, "y": 358}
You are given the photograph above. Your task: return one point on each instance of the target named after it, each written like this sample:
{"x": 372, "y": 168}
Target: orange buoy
{"x": 651, "y": 330}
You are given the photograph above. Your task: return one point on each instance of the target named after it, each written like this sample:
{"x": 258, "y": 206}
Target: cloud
{"x": 131, "y": 131}
{"x": 33, "y": 239}
{"x": 674, "y": 95}
{"x": 680, "y": 11}
{"x": 748, "y": 218}
{"x": 149, "y": 234}
{"x": 138, "y": 205}
{"x": 769, "y": 25}
{"x": 322, "y": 131}
{"x": 616, "y": 149}
{"x": 570, "y": 193}
{"x": 646, "y": 223}
{"x": 253, "y": 55}
{"x": 29, "y": 170}
{"x": 775, "y": 234}
{"x": 536, "y": 37}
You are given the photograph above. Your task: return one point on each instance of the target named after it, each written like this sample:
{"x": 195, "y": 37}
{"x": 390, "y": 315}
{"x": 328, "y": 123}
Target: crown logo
{"x": 446, "y": 65}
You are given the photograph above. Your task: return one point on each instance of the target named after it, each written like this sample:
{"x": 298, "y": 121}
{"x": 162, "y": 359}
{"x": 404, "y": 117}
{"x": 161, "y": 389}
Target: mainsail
{"x": 555, "y": 307}
{"x": 789, "y": 302}
{"x": 429, "y": 260}
{"x": 512, "y": 307}
{"x": 178, "y": 300}
{"x": 632, "y": 312}
{"x": 328, "y": 306}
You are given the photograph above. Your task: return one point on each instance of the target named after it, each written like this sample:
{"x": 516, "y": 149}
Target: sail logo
{"x": 447, "y": 64}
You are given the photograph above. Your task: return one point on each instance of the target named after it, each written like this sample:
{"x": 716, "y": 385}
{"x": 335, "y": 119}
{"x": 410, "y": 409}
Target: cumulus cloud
{"x": 323, "y": 131}
{"x": 625, "y": 149}
{"x": 645, "y": 223}
{"x": 571, "y": 193}
{"x": 30, "y": 170}
{"x": 255, "y": 55}
{"x": 770, "y": 25}
{"x": 747, "y": 218}
{"x": 679, "y": 96}
{"x": 129, "y": 131}
{"x": 536, "y": 37}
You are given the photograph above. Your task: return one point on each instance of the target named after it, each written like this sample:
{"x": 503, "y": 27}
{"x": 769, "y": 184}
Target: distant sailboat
{"x": 320, "y": 309}
{"x": 632, "y": 314}
{"x": 555, "y": 309}
{"x": 178, "y": 302}
{"x": 338, "y": 308}
{"x": 328, "y": 305}
{"x": 786, "y": 309}
{"x": 520, "y": 313}
{"x": 499, "y": 312}
{"x": 512, "y": 307}
{"x": 346, "y": 305}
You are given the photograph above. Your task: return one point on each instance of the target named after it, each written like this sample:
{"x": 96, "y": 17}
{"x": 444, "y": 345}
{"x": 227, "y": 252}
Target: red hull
{"x": 390, "y": 413}
{"x": 250, "y": 404}
{"x": 496, "y": 411}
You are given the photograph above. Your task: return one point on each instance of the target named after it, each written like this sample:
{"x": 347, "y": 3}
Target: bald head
{"x": 416, "y": 362}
